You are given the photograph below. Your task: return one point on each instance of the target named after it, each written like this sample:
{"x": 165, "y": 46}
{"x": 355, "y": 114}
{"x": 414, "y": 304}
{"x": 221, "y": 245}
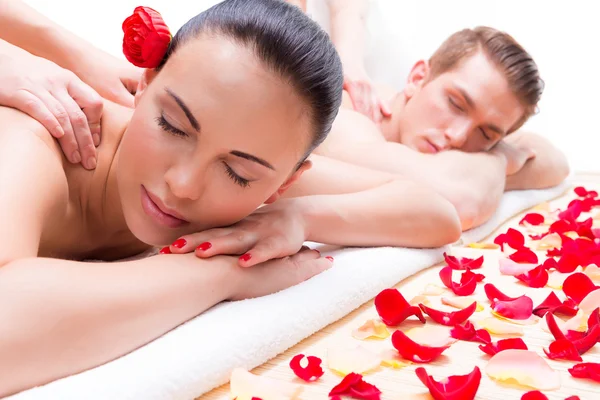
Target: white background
{"x": 561, "y": 36}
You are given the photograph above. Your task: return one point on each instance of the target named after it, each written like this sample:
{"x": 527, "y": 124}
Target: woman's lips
{"x": 154, "y": 208}
{"x": 431, "y": 148}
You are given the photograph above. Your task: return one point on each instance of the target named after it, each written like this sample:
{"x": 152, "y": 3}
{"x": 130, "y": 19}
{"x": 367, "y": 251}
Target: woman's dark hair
{"x": 285, "y": 40}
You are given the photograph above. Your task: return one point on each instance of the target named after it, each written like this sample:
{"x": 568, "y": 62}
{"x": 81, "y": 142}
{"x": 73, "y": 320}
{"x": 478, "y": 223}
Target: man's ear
{"x": 305, "y": 166}
{"x": 147, "y": 76}
{"x": 416, "y": 78}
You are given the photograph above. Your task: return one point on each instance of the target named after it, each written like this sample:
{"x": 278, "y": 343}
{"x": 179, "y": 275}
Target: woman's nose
{"x": 185, "y": 181}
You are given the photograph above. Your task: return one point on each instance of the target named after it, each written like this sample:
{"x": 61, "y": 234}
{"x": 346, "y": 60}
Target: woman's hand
{"x": 272, "y": 231}
{"x": 276, "y": 275}
{"x": 364, "y": 97}
{"x": 59, "y": 100}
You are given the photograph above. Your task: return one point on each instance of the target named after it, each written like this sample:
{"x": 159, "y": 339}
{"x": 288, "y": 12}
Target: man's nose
{"x": 457, "y": 134}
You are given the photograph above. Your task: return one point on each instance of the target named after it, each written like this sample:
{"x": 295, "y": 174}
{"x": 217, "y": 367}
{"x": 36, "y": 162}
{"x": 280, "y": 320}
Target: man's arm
{"x": 549, "y": 167}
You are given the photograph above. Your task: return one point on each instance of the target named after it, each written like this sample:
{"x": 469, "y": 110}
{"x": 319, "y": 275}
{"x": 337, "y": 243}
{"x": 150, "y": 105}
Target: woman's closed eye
{"x": 243, "y": 182}
{"x": 167, "y": 127}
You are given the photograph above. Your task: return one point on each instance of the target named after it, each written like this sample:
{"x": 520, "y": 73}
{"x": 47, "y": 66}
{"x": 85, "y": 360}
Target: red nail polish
{"x": 179, "y": 243}
{"x": 204, "y": 246}
{"x": 329, "y": 258}
{"x": 246, "y": 257}
{"x": 165, "y": 250}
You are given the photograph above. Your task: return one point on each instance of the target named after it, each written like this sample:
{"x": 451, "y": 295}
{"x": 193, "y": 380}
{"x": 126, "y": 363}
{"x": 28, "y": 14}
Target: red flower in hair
{"x": 146, "y": 38}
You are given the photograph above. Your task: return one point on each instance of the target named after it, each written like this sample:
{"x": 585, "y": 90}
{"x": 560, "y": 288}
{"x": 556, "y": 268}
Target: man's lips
{"x": 156, "y": 209}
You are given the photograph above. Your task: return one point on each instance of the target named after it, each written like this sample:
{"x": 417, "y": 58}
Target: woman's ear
{"x": 416, "y": 78}
{"x": 147, "y": 76}
{"x": 305, "y": 166}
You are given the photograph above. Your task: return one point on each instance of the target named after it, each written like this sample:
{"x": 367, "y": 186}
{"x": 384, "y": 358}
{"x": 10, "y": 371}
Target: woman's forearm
{"x": 63, "y": 317}
{"x": 399, "y": 213}
{"x": 26, "y": 28}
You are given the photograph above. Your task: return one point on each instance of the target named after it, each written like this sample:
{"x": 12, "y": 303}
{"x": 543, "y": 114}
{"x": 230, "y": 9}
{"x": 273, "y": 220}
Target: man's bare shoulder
{"x": 350, "y": 127}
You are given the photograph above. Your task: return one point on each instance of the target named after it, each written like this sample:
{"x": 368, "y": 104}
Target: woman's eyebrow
{"x": 251, "y": 158}
{"x": 186, "y": 110}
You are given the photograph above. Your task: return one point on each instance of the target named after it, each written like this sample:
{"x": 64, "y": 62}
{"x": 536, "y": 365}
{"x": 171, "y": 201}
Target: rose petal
{"x": 489, "y": 246}
{"x": 415, "y": 301}
{"x": 391, "y": 358}
{"x": 512, "y": 238}
{"x": 583, "y": 192}
{"x": 532, "y": 219}
{"x": 498, "y": 327}
{"x": 532, "y": 320}
{"x": 465, "y": 288}
{"x": 353, "y": 385}
{"x": 456, "y": 387}
{"x": 550, "y": 241}
{"x": 463, "y": 263}
{"x": 493, "y": 293}
{"x": 512, "y": 268}
{"x": 372, "y": 329}
{"x": 568, "y": 262}
{"x": 536, "y": 278}
{"x": 346, "y": 358}
{"x": 431, "y": 335}
{"x": 562, "y": 349}
{"x": 593, "y": 272}
{"x": 518, "y": 309}
{"x": 586, "y": 370}
{"x": 244, "y": 385}
{"x": 553, "y": 304}
{"x": 525, "y": 256}
{"x": 433, "y": 290}
{"x": 523, "y": 367}
{"x": 393, "y": 308}
{"x": 449, "y": 318}
{"x": 578, "y": 286}
{"x": 413, "y": 351}
{"x": 577, "y": 323}
{"x": 504, "y": 344}
{"x": 460, "y": 302}
{"x": 311, "y": 372}
{"x": 534, "y": 395}
{"x": 590, "y": 302}
{"x": 556, "y": 280}
{"x": 467, "y": 332}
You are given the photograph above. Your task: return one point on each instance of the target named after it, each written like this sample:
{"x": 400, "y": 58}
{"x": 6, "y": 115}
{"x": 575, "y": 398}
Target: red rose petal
{"x": 456, "y": 387}
{"x": 568, "y": 263}
{"x": 493, "y": 293}
{"x": 512, "y": 238}
{"x": 572, "y": 212}
{"x": 562, "y": 349}
{"x": 413, "y": 351}
{"x": 592, "y": 335}
{"x": 504, "y": 344}
{"x": 586, "y": 370}
{"x": 449, "y": 318}
{"x": 353, "y": 385}
{"x": 393, "y": 308}
{"x": 553, "y": 305}
{"x": 534, "y": 395}
{"x": 468, "y": 275}
{"x": 468, "y": 333}
{"x": 583, "y": 192}
{"x": 518, "y": 309}
{"x": 463, "y": 263}
{"x": 524, "y": 256}
{"x": 573, "y": 398}
{"x": 311, "y": 372}
{"x": 464, "y": 288}
{"x": 532, "y": 219}
{"x": 536, "y": 278}
{"x": 577, "y": 286}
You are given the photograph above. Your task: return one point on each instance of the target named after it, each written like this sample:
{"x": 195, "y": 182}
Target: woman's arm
{"x": 24, "y": 27}
{"x": 61, "y": 317}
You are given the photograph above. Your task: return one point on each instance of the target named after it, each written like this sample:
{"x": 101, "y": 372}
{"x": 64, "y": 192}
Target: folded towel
{"x": 199, "y": 355}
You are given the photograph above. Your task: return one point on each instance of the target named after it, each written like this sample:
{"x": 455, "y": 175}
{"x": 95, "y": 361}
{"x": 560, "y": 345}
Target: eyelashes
{"x": 167, "y": 127}
{"x": 235, "y": 177}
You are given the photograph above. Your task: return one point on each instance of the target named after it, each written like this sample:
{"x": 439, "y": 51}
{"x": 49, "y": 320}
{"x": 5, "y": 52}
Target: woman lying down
{"x": 222, "y": 125}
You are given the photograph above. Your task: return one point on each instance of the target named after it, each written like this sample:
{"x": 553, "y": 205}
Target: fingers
{"x": 234, "y": 243}
{"x": 36, "y": 108}
{"x": 189, "y": 243}
{"x": 312, "y": 265}
{"x": 385, "y": 109}
{"x": 92, "y": 105}
{"x": 121, "y": 95}
{"x": 268, "y": 249}
{"x": 81, "y": 129}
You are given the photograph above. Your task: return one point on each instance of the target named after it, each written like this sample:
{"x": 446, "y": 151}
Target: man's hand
{"x": 516, "y": 155}
{"x": 57, "y": 98}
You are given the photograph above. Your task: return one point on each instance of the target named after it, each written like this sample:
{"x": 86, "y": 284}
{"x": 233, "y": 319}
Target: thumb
{"x": 385, "y": 108}
{"x": 121, "y": 95}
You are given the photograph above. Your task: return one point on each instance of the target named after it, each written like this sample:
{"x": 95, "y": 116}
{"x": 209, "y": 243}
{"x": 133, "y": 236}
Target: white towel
{"x": 199, "y": 355}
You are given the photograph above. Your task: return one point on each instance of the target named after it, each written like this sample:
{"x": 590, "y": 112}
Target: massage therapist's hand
{"x": 364, "y": 97}
{"x": 114, "y": 79}
{"x": 273, "y": 231}
{"x": 57, "y": 98}
{"x": 275, "y": 275}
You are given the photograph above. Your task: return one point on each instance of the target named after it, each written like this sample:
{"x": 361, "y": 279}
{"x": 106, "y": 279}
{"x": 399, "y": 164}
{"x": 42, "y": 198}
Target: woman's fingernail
{"x": 204, "y": 246}
{"x": 96, "y": 139}
{"x": 246, "y": 257}
{"x": 179, "y": 243}
{"x": 76, "y": 157}
{"x": 329, "y": 258}
{"x": 165, "y": 250}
